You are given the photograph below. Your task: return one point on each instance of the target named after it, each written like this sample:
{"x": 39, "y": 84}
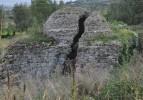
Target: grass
{"x": 121, "y": 33}
{"x": 4, "y": 43}
{"x": 25, "y": 37}
{"x": 124, "y": 83}
{"x": 9, "y": 41}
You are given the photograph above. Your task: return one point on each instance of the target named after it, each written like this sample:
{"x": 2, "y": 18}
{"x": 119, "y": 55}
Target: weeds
{"x": 123, "y": 84}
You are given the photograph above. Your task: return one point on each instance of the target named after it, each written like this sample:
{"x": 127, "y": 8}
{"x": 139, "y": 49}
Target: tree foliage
{"x": 92, "y": 4}
{"x": 1, "y": 16}
{"x": 61, "y": 3}
{"x": 22, "y": 17}
{"x": 41, "y": 9}
{"x": 129, "y": 11}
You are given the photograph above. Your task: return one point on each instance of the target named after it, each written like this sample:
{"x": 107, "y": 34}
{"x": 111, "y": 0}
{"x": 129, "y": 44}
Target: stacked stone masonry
{"x": 40, "y": 59}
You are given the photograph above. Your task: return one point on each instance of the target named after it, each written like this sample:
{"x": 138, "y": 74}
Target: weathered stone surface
{"x": 92, "y": 53}
{"x": 101, "y": 56}
{"x": 72, "y": 38}
{"x": 37, "y": 60}
{"x": 63, "y": 24}
{"x": 95, "y": 25}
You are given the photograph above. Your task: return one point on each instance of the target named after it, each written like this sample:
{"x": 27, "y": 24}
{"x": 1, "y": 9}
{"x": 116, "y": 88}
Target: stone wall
{"x": 96, "y": 53}
{"x": 72, "y": 29}
{"x": 37, "y": 60}
{"x": 63, "y": 24}
{"x": 101, "y": 56}
{"x": 95, "y": 25}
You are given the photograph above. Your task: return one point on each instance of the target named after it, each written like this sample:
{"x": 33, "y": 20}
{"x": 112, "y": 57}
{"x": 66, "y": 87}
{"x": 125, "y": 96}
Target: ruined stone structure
{"x": 73, "y": 30}
{"x": 63, "y": 25}
{"x": 34, "y": 59}
{"x": 92, "y": 53}
{"x": 95, "y": 25}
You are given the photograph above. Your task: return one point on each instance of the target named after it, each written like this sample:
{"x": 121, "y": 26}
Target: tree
{"x": 92, "y": 4}
{"x": 41, "y": 9}
{"x": 1, "y": 17}
{"x": 129, "y": 11}
{"x": 22, "y": 17}
{"x": 54, "y": 6}
{"x": 61, "y": 3}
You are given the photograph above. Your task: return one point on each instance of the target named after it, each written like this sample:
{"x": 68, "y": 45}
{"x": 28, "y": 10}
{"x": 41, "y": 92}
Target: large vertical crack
{"x": 70, "y": 60}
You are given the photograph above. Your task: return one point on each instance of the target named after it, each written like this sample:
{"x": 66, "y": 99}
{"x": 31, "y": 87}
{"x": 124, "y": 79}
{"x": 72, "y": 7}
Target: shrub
{"x": 7, "y": 33}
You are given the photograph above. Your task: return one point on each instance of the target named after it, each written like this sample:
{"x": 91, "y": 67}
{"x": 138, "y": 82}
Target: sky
{"x": 12, "y": 2}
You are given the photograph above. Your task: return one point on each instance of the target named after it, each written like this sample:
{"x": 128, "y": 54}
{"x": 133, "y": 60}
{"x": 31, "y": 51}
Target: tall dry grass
{"x": 93, "y": 84}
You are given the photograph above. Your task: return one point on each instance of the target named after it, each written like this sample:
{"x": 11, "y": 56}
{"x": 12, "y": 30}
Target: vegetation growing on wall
{"x": 122, "y": 34}
{"x": 120, "y": 31}
{"x": 128, "y": 39}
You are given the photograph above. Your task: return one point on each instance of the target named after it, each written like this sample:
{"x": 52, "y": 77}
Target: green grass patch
{"x": 39, "y": 37}
{"x": 121, "y": 33}
{"x": 122, "y": 90}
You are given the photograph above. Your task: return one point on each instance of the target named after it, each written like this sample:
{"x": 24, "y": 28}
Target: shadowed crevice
{"x": 74, "y": 46}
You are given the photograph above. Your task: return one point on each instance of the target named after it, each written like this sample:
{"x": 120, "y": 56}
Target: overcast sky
{"x": 12, "y": 2}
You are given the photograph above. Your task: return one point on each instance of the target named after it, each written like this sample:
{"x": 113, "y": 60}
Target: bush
{"x": 7, "y": 33}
